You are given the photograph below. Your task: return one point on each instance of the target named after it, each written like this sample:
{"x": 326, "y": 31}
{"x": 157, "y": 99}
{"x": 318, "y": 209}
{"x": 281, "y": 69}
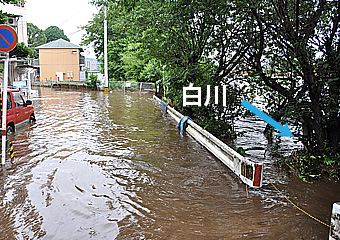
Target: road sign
{"x": 20, "y": 84}
{"x": 8, "y": 38}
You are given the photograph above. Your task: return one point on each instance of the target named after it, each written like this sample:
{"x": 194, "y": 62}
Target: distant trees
{"x": 36, "y": 36}
{"x": 54, "y": 33}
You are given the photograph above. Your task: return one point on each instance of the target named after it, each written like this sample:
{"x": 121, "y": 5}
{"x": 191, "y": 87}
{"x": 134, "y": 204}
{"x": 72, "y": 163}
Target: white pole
{"x": 105, "y": 53}
{"x": 29, "y": 85}
{"x": 4, "y": 109}
{"x": 334, "y": 232}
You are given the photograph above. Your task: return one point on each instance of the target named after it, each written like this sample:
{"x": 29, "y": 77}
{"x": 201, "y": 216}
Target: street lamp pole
{"x": 105, "y": 53}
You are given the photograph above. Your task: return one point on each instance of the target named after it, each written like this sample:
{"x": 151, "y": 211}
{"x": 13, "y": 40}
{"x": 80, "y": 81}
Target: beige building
{"x": 61, "y": 60}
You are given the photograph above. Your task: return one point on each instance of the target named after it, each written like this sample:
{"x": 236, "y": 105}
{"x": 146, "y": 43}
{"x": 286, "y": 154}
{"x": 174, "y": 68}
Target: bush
{"x": 309, "y": 167}
{"x": 92, "y": 82}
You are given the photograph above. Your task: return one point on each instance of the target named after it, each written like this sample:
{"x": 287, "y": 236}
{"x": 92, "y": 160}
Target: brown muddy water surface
{"x": 114, "y": 167}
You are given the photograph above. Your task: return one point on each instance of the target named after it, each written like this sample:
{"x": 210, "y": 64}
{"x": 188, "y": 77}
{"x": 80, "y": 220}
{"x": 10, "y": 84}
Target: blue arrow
{"x": 284, "y": 130}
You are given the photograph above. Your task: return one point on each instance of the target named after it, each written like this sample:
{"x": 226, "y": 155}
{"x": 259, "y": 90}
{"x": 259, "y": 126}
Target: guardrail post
{"x": 334, "y": 232}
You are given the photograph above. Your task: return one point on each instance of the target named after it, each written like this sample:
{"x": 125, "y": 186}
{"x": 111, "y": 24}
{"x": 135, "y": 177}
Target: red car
{"x": 18, "y": 110}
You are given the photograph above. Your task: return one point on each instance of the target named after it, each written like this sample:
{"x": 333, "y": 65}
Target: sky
{"x": 68, "y": 15}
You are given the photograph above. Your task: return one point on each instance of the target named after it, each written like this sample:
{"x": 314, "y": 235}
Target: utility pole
{"x": 105, "y": 53}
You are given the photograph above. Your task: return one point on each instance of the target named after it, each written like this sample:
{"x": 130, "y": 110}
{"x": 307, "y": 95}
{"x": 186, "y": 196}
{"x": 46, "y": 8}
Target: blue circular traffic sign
{"x": 8, "y": 38}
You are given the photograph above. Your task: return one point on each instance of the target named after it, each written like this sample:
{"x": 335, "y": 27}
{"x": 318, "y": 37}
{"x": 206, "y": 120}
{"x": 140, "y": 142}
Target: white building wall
{"x": 18, "y": 9}
{"x": 91, "y": 64}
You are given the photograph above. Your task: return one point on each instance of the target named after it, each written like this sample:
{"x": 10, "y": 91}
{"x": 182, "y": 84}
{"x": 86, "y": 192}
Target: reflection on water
{"x": 106, "y": 167}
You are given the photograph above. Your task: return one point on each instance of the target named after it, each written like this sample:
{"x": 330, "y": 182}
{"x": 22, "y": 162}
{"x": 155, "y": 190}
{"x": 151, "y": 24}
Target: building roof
{"x": 60, "y": 43}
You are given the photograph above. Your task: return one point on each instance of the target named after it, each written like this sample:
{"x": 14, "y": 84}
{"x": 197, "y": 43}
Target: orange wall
{"x": 59, "y": 60}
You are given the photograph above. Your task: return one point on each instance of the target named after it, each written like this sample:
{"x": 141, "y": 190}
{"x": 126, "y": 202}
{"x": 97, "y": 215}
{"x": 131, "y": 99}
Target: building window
{"x": 70, "y": 74}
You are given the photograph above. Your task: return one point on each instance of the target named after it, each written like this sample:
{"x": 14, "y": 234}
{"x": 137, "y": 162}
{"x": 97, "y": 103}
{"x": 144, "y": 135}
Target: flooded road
{"x": 114, "y": 167}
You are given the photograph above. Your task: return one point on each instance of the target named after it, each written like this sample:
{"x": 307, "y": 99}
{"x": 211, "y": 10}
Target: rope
{"x": 309, "y": 215}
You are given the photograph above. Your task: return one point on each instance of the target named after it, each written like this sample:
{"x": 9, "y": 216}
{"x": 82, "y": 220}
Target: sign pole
{"x": 8, "y": 41}
{"x": 4, "y": 109}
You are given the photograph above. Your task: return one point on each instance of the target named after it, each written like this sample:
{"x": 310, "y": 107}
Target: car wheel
{"x": 9, "y": 130}
{"x": 32, "y": 119}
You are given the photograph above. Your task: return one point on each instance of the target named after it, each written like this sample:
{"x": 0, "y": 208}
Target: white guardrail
{"x": 334, "y": 232}
{"x": 250, "y": 172}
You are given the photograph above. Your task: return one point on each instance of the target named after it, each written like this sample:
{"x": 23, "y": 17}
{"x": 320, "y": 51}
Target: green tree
{"x": 198, "y": 44}
{"x": 134, "y": 61}
{"x": 117, "y": 41}
{"x": 21, "y": 51}
{"x": 300, "y": 39}
{"x": 36, "y": 36}
{"x": 116, "y": 48}
{"x": 195, "y": 40}
{"x": 290, "y": 50}
{"x": 95, "y": 34}
{"x": 152, "y": 71}
{"x": 54, "y": 33}
{"x": 3, "y": 15}
{"x": 92, "y": 82}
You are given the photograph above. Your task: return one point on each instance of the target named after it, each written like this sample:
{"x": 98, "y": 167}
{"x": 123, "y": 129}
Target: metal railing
{"x": 51, "y": 83}
{"x": 131, "y": 86}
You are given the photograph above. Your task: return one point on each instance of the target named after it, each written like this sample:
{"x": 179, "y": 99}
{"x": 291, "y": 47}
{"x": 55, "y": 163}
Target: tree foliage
{"x": 36, "y": 36}
{"x": 296, "y": 55}
{"x": 21, "y": 51}
{"x": 286, "y": 52}
{"x": 92, "y": 82}
{"x": 54, "y": 33}
{"x": 3, "y": 15}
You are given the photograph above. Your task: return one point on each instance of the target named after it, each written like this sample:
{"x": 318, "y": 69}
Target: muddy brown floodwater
{"x": 114, "y": 167}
